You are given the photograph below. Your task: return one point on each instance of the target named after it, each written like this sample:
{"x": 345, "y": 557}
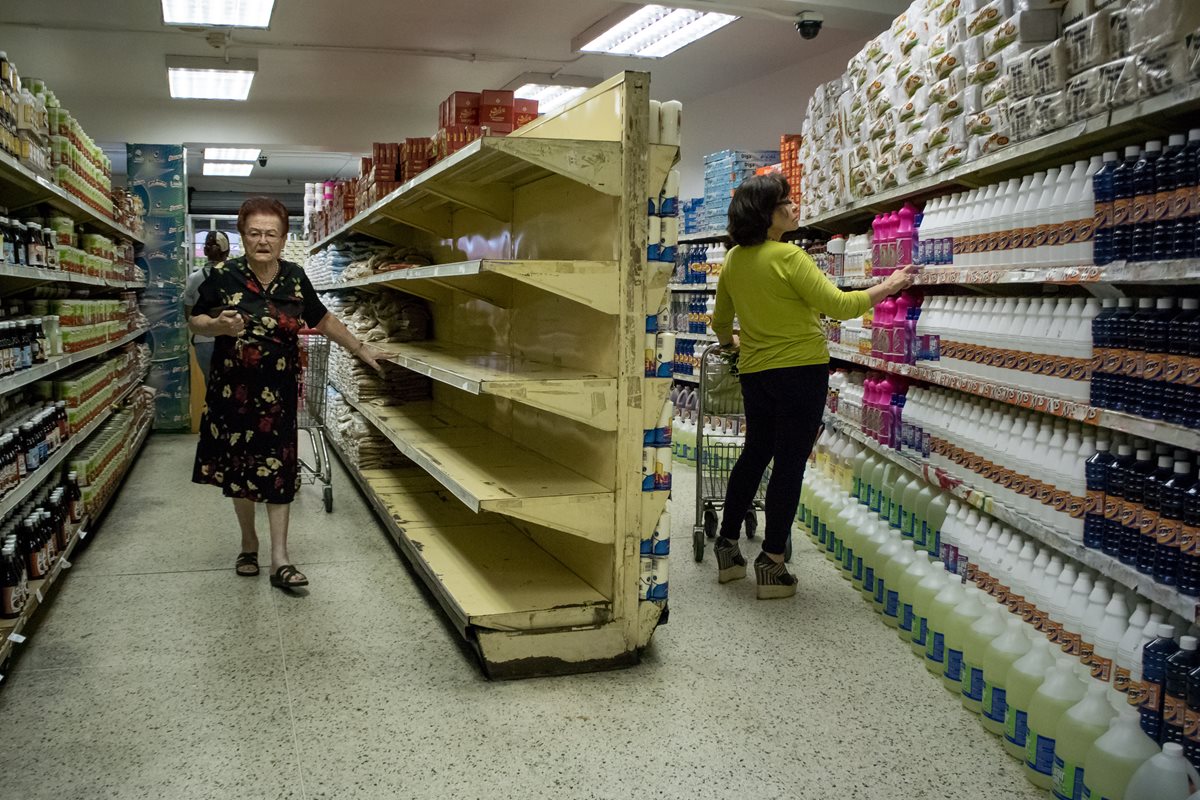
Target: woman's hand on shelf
{"x": 371, "y": 356}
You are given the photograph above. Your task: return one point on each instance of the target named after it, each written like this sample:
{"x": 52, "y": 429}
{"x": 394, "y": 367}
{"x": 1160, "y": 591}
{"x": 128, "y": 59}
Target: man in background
{"x": 216, "y": 250}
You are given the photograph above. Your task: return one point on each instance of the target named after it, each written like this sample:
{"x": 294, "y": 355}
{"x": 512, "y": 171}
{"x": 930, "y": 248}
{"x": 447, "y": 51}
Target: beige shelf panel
{"x": 482, "y": 177}
{"x": 575, "y": 394}
{"x": 489, "y": 472}
{"x": 655, "y": 394}
{"x": 590, "y": 283}
{"x": 487, "y": 573}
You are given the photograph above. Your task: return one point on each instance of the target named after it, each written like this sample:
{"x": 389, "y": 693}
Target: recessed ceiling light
{"x": 651, "y": 31}
{"x": 549, "y": 98}
{"x": 215, "y": 168}
{"x": 231, "y": 153}
{"x": 224, "y": 13}
{"x": 210, "y": 78}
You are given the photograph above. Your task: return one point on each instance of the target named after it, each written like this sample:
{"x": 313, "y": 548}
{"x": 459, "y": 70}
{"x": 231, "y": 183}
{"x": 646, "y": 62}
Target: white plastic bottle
{"x": 1164, "y": 776}
{"x": 1107, "y": 638}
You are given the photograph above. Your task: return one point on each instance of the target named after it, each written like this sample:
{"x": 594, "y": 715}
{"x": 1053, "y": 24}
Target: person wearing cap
{"x": 216, "y": 250}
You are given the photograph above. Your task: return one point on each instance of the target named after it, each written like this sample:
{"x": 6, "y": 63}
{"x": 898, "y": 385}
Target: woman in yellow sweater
{"x": 778, "y": 296}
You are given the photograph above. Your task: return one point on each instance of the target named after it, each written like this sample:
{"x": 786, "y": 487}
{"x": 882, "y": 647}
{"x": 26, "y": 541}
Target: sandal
{"x": 246, "y": 560}
{"x": 282, "y": 577}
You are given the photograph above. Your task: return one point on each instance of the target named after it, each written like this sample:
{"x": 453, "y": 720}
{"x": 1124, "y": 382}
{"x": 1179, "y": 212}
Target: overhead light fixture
{"x": 219, "y": 169}
{"x": 231, "y": 153}
{"x": 210, "y": 78}
{"x": 549, "y": 98}
{"x": 650, "y": 31}
{"x": 218, "y": 13}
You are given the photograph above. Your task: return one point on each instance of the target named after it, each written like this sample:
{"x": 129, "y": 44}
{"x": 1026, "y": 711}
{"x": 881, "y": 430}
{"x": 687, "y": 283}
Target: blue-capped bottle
{"x": 1141, "y": 219}
{"x": 1096, "y": 469}
{"x": 1186, "y": 203}
{"x": 1152, "y": 493}
{"x": 1123, "y": 192}
{"x": 1133, "y": 491}
{"x": 1171, "y": 514}
{"x": 1154, "y": 677}
{"x": 1102, "y": 190}
{"x": 1114, "y": 499}
{"x": 1163, "y": 212}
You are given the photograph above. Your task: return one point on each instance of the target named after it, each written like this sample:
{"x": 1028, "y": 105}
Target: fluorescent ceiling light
{"x": 549, "y": 98}
{"x": 653, "y": 31}
{"x": 231, "y": 153}
{"x": 225, "y": 13}
{"x": 215, "y": 168}
{"x": 210, "y": 78}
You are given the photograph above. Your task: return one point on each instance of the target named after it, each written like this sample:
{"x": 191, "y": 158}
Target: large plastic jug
{"x": 943, "y": 604}
{"x": 980, "y": 635}
{"x": 909, "y": 580}
{"x": 893, "y": 572}
{"x": 1024, "y": 677}
{"x": 874, "y": 536}
{"x": 1077, "y": 731}
{"x": 1061, "y": 689}
{"x": 970, "y": 609}
{"x": 927, "y": 589}
{"x": 1116, "y": 756}
{"x": 1165, "y": 776}
{"x": 883, "y": 559}
{"x": 998, "y": 659}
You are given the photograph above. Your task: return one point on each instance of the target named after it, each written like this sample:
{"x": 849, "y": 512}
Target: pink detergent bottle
{"x": 877, "y": 245}
{"x": 898, "y": 338}
{"x": 886, "y": 389}
{"x": 868, "y": 402}
{"x": 881, "y": 330}
{"x": 906, "y": 235}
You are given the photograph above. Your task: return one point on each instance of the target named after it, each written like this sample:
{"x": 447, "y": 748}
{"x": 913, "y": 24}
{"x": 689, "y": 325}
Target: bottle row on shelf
{"x": 1101, "y": 210}
{"x": 1082, "y": 681}
{"x": 34, "y": 536}
{"x": 1038, "y": 466}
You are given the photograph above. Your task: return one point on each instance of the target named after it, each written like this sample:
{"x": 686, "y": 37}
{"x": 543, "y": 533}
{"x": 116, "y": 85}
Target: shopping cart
{"x": 720, "y": 418}
{"x": 314, "y": 366}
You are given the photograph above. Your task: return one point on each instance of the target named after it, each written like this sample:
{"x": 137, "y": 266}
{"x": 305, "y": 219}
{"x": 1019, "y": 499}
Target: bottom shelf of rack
{"x": 485, "y": 571}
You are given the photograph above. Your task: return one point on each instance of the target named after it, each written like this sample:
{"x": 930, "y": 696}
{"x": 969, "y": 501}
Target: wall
{"x": 753, "y": 115}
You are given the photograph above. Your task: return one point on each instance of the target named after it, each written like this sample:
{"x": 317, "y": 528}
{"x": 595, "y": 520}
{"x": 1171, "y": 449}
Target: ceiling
{"x": 334, "y": 77}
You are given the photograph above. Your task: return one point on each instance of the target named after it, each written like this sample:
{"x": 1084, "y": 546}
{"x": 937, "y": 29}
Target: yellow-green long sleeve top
{"x": 778, "y": 295}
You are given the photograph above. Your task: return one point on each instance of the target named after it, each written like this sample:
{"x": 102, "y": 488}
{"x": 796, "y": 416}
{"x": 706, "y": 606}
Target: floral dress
{"x": 248, "y": 431}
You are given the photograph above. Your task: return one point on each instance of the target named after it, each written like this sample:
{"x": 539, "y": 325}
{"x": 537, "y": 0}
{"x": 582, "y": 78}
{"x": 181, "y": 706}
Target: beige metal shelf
{"x": 42, "y": 371}
{"x": 484, "y": 571}
{"x": 1165, "y": 596}
{"x": 582, "y": 396}
{"x": 591, "y": 283}
{"x": 39, "y": 275}
{"x": 489, "y": 472}
{"x": 21, "y": 187}
{"x": 482, "y": 177}
{"x": 1149, "y": 116}
{"x": 1023, "y": 397}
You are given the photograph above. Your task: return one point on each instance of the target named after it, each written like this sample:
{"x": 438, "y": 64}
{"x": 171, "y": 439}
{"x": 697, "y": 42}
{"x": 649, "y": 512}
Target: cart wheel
{"x": 328, "y": 499}
{"x": 787, "y": 552}
{"x": 698, "y": 544}
{"x": 710, "y": 523}
{"x": 751, "y": 523}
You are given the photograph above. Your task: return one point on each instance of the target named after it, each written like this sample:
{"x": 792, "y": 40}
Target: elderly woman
{"x": 255, "y": 306}
{"x": 778, "y": 296}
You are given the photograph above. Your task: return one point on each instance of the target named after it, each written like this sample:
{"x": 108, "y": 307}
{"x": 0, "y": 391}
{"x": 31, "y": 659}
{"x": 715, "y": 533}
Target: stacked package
{"x": 358, "y": 440}
{"x": 723, "y": 172}
{"x": 379, "y": 319}
{"x": 953, "y": 81}
{"x": 360, "y": 258}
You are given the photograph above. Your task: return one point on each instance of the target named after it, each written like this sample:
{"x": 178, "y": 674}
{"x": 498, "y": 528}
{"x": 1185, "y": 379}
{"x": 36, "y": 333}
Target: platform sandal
{"x": 731, "y": 565}
{"x": 246, "y": 560}
{"x": 774, "y": 581}
{"x": 282, "y": 578}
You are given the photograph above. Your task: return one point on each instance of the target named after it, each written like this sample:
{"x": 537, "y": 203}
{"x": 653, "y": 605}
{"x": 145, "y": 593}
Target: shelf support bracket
{"x": 495, "y": 202}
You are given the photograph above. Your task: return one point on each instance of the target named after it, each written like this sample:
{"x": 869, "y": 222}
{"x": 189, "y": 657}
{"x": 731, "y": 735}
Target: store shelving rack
{"x": 1149, "y": 118}
{"x": 523, "y": 510}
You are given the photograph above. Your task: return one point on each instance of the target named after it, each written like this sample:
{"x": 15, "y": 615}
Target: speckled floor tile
{"x": 810, "y": 698}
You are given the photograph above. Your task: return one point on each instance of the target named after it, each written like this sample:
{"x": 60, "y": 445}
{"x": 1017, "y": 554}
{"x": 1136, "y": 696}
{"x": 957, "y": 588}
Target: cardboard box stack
{"x": 464, "y": 117}
{"x": 789, "y": 160}
{"x": 723, "y": 172}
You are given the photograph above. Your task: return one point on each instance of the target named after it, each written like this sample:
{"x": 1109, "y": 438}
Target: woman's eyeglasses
{"x": 270, "y": 236}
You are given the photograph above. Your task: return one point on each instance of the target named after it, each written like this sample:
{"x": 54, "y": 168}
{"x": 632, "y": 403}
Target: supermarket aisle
{"x": 158, "y": 673}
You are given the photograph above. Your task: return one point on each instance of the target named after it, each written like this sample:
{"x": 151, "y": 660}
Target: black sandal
{"x": 282, "y": 577}
{"x": 246, "y": 560}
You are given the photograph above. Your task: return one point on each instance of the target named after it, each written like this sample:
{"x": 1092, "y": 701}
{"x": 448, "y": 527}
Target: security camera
{"x": 262, "y": 160}
{"x": 808, "y": 24}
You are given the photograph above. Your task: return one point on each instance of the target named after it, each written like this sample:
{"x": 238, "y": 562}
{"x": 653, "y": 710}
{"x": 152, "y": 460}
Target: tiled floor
{"x": 157, "y": 673}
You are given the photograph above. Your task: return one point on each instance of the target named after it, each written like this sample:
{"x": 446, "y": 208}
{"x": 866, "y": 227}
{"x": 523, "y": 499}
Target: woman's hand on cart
{"x": 733, "y": 345}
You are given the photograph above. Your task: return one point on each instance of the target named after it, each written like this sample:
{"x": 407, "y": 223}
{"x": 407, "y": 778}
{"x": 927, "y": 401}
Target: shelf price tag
{"x": 66, "y": 564}
{"x": 82, "y": 534}
{"x": 16, "y": 638}
{"x": 38, "y": 595}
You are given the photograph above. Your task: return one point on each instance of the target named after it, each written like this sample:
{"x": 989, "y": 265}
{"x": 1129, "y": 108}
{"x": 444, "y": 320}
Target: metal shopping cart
{"x": 314, "y": 366}
{"x": 720, "y": 420}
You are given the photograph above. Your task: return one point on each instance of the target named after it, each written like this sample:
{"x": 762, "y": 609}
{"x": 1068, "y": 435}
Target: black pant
{"x": 783, "y": 415}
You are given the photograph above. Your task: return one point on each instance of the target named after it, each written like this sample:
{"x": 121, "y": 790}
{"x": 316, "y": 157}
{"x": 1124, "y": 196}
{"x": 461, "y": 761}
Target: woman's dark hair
{"x": 262, "y": 205}
{"x": 753, "y": 206}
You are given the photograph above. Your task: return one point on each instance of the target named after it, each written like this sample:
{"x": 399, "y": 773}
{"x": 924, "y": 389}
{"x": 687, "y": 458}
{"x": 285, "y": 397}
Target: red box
{"x": 462, "y": 108}
{"x": 524, "y": 111}
{"x": 496, "y": 107}
{"x": 497, "y": 129}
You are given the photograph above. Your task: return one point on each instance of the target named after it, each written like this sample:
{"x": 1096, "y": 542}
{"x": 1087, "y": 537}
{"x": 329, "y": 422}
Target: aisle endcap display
{"x": 1181, "y": 604}
{"x": 590, "y": 283}
{"x": 481, "y": 177}
{"x": 1023, "y": 397}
